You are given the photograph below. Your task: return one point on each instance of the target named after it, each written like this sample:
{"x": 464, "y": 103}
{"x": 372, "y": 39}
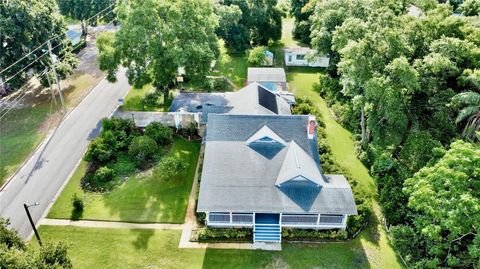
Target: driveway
{"x": 43, "y": 175}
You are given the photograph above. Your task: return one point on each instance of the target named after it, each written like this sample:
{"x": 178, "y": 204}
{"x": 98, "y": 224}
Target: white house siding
{"x": 294, "y": 59}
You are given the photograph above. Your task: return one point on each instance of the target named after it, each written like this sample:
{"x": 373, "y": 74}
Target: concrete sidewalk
{"x": 111, "y": 224}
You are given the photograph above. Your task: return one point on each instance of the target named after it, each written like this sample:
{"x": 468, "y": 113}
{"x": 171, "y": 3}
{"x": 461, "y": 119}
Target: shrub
{"x": 256, "y": 56}
{"x": 171, "y": 167}
{"x": 188, "y": 131}
{"x": 162, "y": 134}
{"x": 123, "y": 129}
{"x": 212, "y": 234}
{"x": 364, "y": 209}
{"x": 222, "y": 85}
{"x": 98, "y": 152}
{"x": 142, "y": 149}
{"x": 77, "y": 203}
{"x": 151, "y": 99}
{"x": 104, "y": 175}
{"x": 307, "y": 234}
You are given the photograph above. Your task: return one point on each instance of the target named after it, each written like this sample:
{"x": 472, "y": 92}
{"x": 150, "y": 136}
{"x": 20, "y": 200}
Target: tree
{"x": 14, "y": 252}
{"x": 171, "y": 167}
{"x": 470, "y": 7}
{"x": 27, "y": 24}
{"x": 171, "y": 38}
{"x": 445, "y": 200}
{"x": 142, "y": 149}
{"x": 260, "y": 22}
{"x": 257, "y": 57}
{"x": 162, "y": 134}
{"x": 301, "y": 11}
{"x": 83, "y": 10}
{"x": 470, "y": 113}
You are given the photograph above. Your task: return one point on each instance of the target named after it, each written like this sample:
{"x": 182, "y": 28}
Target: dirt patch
{"x": 277, "y": 263}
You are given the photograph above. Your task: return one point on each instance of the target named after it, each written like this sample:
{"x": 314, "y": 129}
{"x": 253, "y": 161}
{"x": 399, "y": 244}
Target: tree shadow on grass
{"x": 76, "y": 214}
{"x": 143, "y": 237}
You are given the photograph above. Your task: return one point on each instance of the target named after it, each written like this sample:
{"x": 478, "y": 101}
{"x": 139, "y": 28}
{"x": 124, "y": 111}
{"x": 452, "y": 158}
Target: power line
{"x": 44, "y": 43}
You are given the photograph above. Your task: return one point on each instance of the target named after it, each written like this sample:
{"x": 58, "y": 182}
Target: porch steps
{"x": 267, "y": 233}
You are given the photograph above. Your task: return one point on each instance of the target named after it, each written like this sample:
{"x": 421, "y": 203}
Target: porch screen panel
{"x": 305, "y": 219}
{"x": 333, "y": 219}
{"x": 219, "y": 217}
{"x": 242, "y": 218}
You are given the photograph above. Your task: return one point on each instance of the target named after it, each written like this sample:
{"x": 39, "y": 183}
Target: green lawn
{"x": 124, "y": 248}
{"x": 133, "y": 100}
{"x": 233, "y": 66}
{"x": 141, "y": 198}
{"x": 19, "y": 135}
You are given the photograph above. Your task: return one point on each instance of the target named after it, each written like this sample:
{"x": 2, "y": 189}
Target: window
{"x": 289, "y": 58}
{"x": 331, "y": 219}
{"x": 300, "y": 57}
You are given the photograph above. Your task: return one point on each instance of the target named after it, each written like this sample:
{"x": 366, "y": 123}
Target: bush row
{"x": 220, "y": 234}
{"x": 306, "y": 234}
{"x": 121, "y": 149}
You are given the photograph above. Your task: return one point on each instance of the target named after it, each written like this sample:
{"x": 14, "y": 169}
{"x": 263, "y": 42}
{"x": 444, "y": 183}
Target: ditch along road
{"x": 48, "y": 169}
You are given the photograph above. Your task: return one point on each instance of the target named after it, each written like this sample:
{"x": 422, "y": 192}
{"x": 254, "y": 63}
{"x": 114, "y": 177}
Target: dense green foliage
{"x": 25, "y": 25}
{"x": 15, "y": 254}
{"x": 172, "y": 167}
{"x": 85, "y": 11}
{"x": 301, "y": 10}
{"x": 121, "y": 149}
{"x": 170, "y": 38}
{"x": 256, "y": 56}
{"x": 162, "y": 134}
{"x": 444, "y": 199}
{"x": 407, "y": 86}
{"x": 247, "y": 23}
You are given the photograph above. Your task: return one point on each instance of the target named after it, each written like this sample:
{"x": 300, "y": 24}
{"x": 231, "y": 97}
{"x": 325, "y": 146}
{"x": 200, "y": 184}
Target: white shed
{"x": 302, "y": 56}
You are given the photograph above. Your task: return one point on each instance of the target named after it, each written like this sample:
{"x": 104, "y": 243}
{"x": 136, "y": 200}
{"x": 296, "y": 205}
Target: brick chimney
{"x": 311, "y": 126}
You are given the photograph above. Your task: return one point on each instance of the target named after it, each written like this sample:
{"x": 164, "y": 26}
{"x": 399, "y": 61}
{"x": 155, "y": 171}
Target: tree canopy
{"x": 158, "y": 37}
{"x": 15, "y": 254}
{"x": 83, "y": 10}
{"x": 247, "y": 23}
{"x": 25, "y": 25}
{"x": 445, "y": 201}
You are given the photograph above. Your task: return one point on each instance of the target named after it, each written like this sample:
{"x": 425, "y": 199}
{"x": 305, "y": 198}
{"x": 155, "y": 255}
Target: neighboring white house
{"x": 304, "y": 57}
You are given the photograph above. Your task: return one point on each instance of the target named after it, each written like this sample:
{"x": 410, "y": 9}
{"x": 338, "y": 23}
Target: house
{"x": 304, "y": 57}
{"x": 253, "y": 99}
{"x": 268, "y": 58}
{"x": 264, "y": 172}
{"x": 273, "y": 79}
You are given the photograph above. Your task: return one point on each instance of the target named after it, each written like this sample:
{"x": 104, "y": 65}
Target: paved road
{"x": 47, "y": 170}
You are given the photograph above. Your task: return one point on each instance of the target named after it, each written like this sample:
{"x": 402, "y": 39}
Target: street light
{"x": 31, "y": 221}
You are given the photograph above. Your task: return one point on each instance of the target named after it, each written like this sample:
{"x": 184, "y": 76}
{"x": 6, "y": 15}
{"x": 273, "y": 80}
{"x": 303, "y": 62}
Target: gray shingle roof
{"x": 266, "y": 74}
{"x": 245, "y": 101}
{"x": 237, "y": 178}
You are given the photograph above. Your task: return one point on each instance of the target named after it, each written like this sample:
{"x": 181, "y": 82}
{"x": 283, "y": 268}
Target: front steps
{"x": 267, "y": 233}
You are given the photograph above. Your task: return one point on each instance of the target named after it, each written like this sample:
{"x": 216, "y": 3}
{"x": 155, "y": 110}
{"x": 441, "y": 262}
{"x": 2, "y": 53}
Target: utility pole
{"x": 54, "y": 99}
{"x": 54, "y": 60}
{"x": 31, "y": 221}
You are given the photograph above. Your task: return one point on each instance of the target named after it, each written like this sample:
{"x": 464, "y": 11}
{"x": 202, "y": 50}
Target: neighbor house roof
{"x": 266, "y": 74}
{"x": 252, "y": 99}
{"x": 299, "y": 50}
{"x": 237, "y": 176}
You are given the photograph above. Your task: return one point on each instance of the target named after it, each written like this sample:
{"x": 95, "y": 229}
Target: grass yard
{"x": 134, "y": 100}
{"x": 143, "y": 197}
{"x": 125, "y": 248}
{"x": 19, "y": 135}
{"x": 232, "y": 66}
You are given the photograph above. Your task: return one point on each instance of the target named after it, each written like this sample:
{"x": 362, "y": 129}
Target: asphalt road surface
{"x": 42, "y": 176}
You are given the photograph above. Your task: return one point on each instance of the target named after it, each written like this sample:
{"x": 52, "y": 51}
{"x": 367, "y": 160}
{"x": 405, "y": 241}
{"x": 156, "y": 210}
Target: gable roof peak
{"x": 299, "y": 165}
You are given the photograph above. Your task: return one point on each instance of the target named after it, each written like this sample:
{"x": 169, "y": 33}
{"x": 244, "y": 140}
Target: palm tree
{"x": 470, "y": 113}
